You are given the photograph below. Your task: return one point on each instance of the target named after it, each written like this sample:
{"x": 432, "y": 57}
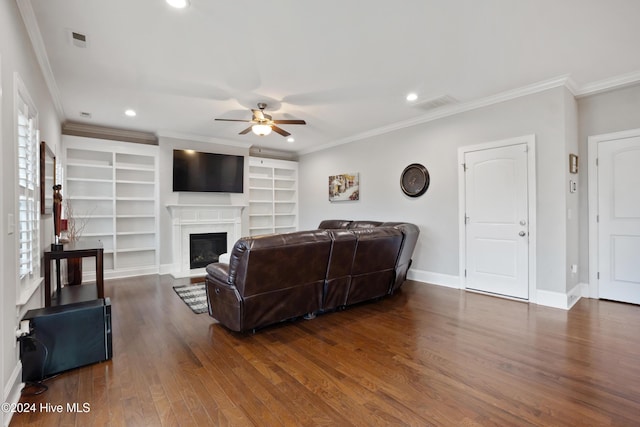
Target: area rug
{"x": 194, "y": 296}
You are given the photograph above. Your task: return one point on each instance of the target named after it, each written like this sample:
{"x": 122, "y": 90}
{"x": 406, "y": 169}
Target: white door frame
{"x": 3, "y": 340}
{"x": 592, "y": 147}
{"x": 530, "y": 141}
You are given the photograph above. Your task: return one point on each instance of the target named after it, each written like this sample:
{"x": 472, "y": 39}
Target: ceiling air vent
{"x": 77, "y": 39}
{"x": 433, "y": 103}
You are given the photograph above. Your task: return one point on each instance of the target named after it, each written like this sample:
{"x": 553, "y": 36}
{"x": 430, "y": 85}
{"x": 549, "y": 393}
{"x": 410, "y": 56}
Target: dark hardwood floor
{"x": 428, "y": 356}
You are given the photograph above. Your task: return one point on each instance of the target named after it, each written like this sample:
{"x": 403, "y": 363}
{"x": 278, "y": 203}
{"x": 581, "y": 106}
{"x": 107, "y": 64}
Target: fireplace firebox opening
{"x": 205, "y": 248}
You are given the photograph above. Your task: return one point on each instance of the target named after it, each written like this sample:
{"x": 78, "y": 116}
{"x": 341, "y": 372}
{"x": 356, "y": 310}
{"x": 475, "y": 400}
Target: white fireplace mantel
{"x": 190, "y": 219}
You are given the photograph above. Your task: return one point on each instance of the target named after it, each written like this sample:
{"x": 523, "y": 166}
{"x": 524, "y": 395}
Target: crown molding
{"x": 112, "y": 134}
{"x": 31, "y": 24}
{"x": 258, "y": 151}
{"x": 561, "y": 81}
{"x": 609, "y": 84}
{"x": 201, "y": 138}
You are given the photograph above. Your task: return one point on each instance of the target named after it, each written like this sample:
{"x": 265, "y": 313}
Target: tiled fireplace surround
{"x": 196, "y": 219}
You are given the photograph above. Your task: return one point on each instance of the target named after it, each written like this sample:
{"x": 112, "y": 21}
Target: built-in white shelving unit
{"x": 273, "y": 196}
{"x": 113, "y": 187}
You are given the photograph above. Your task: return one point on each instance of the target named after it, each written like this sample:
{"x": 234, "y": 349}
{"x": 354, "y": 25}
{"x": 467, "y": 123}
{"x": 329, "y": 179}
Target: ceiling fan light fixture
{"x": 261, "y": 130}
{"x": 178, "y": 4}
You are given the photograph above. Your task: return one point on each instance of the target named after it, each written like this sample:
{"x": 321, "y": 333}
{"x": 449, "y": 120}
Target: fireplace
{"x": 204, "y": 248}
{"x": 193, "y": 219}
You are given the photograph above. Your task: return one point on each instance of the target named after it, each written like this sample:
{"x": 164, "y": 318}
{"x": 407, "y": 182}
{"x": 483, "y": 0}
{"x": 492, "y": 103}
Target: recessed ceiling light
{"x": 130, "y": 113}
{"x": 291, "y": 139}
{"x": 412, "y": 97}
{"x": 178, "y": 4}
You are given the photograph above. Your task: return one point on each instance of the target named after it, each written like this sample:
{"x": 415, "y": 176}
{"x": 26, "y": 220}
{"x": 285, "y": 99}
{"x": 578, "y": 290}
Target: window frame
{"x": 28, "y": 278}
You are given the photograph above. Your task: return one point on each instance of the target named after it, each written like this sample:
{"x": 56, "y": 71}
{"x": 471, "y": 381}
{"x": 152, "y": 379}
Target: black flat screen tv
{"x": 207, "y": 172}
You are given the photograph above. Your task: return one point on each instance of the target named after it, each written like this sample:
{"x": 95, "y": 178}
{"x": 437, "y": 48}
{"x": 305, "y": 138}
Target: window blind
{"x": 28, "y": 197}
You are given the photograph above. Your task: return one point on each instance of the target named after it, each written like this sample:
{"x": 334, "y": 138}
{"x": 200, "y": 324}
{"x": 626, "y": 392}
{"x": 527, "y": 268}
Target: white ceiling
{"x": 343, "y": 66}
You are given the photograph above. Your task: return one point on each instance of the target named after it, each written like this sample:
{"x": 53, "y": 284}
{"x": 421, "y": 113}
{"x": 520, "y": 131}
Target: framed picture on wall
{"x": 344, "y": 187}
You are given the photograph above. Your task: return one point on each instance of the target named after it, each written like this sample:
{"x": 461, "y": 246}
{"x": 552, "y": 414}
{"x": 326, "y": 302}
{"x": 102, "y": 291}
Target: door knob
{"x": 522, "y": 234}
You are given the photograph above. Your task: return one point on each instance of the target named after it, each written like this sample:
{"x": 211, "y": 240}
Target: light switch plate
{"x": 11, "y": 225}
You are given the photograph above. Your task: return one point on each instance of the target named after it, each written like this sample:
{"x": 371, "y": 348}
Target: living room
{"x": 555, "y": 111}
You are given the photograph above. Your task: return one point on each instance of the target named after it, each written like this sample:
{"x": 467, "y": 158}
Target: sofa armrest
{"x": 219, "y": 271}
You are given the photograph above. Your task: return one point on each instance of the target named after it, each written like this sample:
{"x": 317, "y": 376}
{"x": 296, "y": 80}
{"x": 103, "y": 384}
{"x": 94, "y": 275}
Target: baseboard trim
{"x": 12, "y": 391}
{"x": 166, "y": 269}
{"x": 560, "y": 300}
{"x": 447, "y": 280}
{"x": 543, "y": 297}
{"x": 90, "y": 276}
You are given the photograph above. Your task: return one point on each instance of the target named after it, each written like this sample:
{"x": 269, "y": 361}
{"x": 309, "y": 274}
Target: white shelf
{"x": 133, "y": 167}
{"x": 120, "y": 181}
{"x": 105, "y": 198}
{"x": 142, "y": 249}
{"x": 137, "y": 199}
{"x": 106, "y": 234}
{"x": 260, "y": 176}
{"x": 135, "y": 233}
{"x": 111, "y": 176}
{"x": 274, "y": 183}
{"x": 89, "y": 165}
{"x": 79, "y": 179}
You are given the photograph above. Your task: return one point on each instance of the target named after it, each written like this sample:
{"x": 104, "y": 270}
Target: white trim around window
{"x": 27, "y": 192}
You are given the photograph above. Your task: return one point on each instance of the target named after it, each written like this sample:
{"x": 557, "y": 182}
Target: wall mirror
{"x": 47, "y": 178}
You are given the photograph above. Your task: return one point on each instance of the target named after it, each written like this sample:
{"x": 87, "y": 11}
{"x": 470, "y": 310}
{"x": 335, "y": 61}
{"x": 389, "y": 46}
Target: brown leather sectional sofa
{"x": 277, "y": 277}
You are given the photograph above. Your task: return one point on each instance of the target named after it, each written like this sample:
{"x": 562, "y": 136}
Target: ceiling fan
{"x": 263, "y": 124}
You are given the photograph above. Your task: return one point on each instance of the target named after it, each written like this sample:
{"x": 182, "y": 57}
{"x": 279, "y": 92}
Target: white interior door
{"x": 497, "y": 221}
{"x": 619, "y": 219}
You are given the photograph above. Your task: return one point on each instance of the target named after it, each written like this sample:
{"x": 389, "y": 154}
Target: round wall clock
{"x": 414, "y": 180}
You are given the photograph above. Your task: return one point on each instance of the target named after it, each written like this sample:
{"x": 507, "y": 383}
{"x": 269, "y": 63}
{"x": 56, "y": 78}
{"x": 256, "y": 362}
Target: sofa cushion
{"x": 277, "y": 261}
{"x": 336, "y": 287}
{"x": 374, "y": 262}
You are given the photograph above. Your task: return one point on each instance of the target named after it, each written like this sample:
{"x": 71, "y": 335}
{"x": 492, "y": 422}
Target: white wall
{"x": 381, "y": 159}
{"x": 608, "y": 112}
{"x": 572, "y": 204}
{"x": 167, "y": 196}
{"x": 17, "y": 56}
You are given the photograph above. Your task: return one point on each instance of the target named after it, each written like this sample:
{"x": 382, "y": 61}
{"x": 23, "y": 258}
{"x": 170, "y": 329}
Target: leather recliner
{"x": 410, "y": 232}
{"x": 277, "y": 277}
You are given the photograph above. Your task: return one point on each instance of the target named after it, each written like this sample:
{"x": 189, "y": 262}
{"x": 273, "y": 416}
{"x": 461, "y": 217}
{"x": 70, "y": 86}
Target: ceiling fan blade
{"x": 233, "y": 120}
{"x": 258, "y": 115}
{"x": 281, "y": 131}
{"x": 246, "y": 131}
{"x": 290, "y": 122}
